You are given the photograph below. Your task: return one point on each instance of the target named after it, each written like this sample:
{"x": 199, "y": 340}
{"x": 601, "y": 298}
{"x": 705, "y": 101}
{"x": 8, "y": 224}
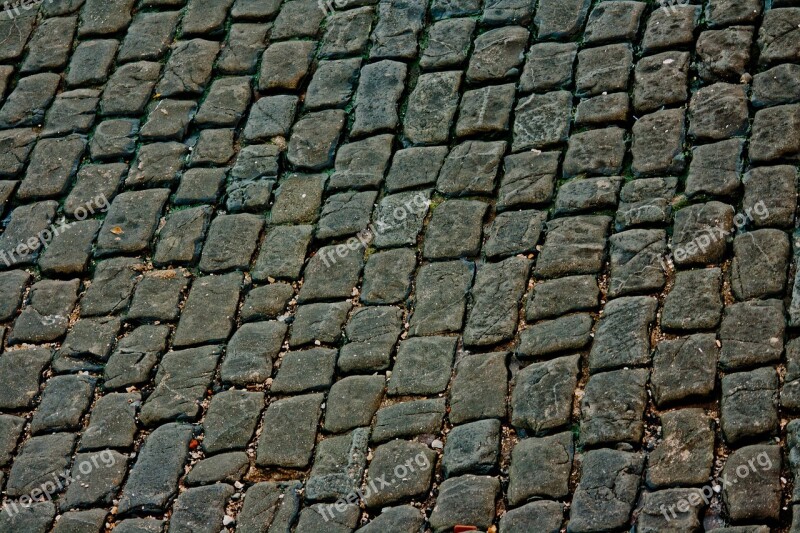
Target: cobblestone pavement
{"x": 399, "y": 266}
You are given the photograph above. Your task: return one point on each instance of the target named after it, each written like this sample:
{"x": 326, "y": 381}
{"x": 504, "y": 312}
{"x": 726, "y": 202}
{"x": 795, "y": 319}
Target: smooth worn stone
{"x": 637, "y": 257}
{"x": 270, "y": 504}
{"x": 87, "y": 344}
{"x": 129, "y": 88}
{"x": 11, "y": 427}
{"x": 101, "y": 486}
{"x": 12, "y": 288}
{"x": 777, "y": 37}
{"x": 471, "y": 168}
{"x": 347, "y": 33}
{"x": 112, "y": 423}
{"x": 542, "y": 396}
{"x": 352, "y": 402}
{"x": 758, "y": 496}
{"x": 71, "y": 112}
{"x": 385, "y": 459}
{"x": 497, "y": 54}
{"x": 574, "y": 245}
{"x": 102, "y": 18}
{"x": 387, "y": 276}
{"x": 776, "y": 134}
{"x": 725, "y": 12}
{"x": 224, "y": 467}
{"x": 298, "y": 18}
{"x": 657, "y": 146}
{"x": 718, "y": 112}
{"x": 149, "y": 36}
{"x": 181, "y": 384}
{"x": 64, "y": 402}
{"x": 314, "y": 139}
{"x": 332, "y": 84}
{"x": 778, "y": 85}
{"x": 131, "y": 221}
{"x": 567, "y": 333}
{"x": 472, "y": 448}
{"x": 210, "y": 310}
{"x": 319, "y": 323}
{"x": 455, "y": 229}
{"x": 290, "y": 429}
{"x": 607, "y": 490}
{"x": 27, "y": 223}
{"x": 200, "y": 509}
{"x": 371, "y": 334}
{"x": 760, "y": 262}
{"x": 226, "y": 102}
{"x": 589, "y": 194}
{"x": 497, "y": 290}
{"x": 614, "y": 22}
{"x": 16, "y": 146}
{"x": 114, "y": 139}
{"x": 724, "y": 55}
{"x": 46, "y": 316}
{"x": 487, "y": 372}
{"x": 695, "y": 301}
{"x": 91, "y": 62}
{"x": 231, "y": 420}
{"x": 431, "y": 107}
{"x": 298, "y": 199}
{"x": 158, "y": 296}
{"x": 559, "y": 20}
{"x": 35, "y": 518}
{"x": 657, "y": 513}
{"x": 660, "y": 80}
{"x": 514, "y": 232}
{"x": 622, "y": 338}
{"x": 402, "y": 519}
{"x": 200, "y": 185}
{"x": 21, "y": 370}
{"x": 700, "y": 233}
{"x": 379, "y": 90}
{"x": 52, "y": 165}
{"x": 604, "y": 69}
{"x": 542, "y": 515}
{"x": 749, "y": 404}
{"x": 684, "y": 368}
{"x": 423, "y": 366}
{"x": 465, "y": 499}
{"x": 529, "y": 178}
{"x": 553, "y": 298}
{"x": 751, "y": 334}
{"x": 548, "y": 67}
{"x": 603, "y": 109}
{"x": 338, "y": 466}
{"x": 399, "y": 218}
{"x": 39, "y": 459}
{"x": 27, "y": 103}
{"x": 769, "y": 194}
{"x": 685, "y": 455}
{"x": 50, "y": 45}
{"x": 270, "y": 116}
{"x": 612, "y": 407}
{"x": 249, "y": 195}
{"x": 593, "y": 152}
{"x": 213, "y": 147}
{"x": 188, "y": 70}
{"x": 542, "y": 120}
{"x": 205, "y": 16}
{"x": 135, "y": 356}
{"x": 501, "y": 12}
{"x": 157, "y": 164}
{"x": 361, "y": 164}
{"x": 284, "y": 65}
{"x": 540, "y": 468}
{"x": 304, "y": 371}
{"x": 399, "y": 25}
{"x": 231, "y": 242}
{"x": 251, "y": 352}
{"x": 69, "y": 252}
{"x": 415, "y": 167}
{"x": 485, "y": 110}
{"x": 441, "y": 297}
{"x": 670, "y": 26}
{"x": 408, "y": 419}
{"x": 181, "y": 238}
{"x": 448, "y": 43}
{"x": 715, "y": 169}
{"x": 332, "y": 273}
{"x": 91, "y": 521}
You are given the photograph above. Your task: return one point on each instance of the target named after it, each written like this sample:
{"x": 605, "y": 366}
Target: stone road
{"x": 399, "y": 266}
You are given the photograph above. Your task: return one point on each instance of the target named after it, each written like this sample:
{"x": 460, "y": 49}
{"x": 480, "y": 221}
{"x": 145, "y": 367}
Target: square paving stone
{"x": 101, "y": 486}
{"x": 567, "y": 333}
{"x": 201, "y": 509}
{"x": 200, "y": 185}
{"x": 282, "y": 253}
{"x": 485, "y": 110}
{"x": 778, "y": 85}
{"x": 52, "y": 166}
{"x": 347, "y": 32}
{"x": 715, "y": 169}
{"x": 114, "y": 139}
{"x": 604, "y": 69}
{"x": 603, "y": 109}
{"x": 769, "y": 194}
{"x": 553, "y": 298}
{"x": 226, "y": 102}
{"x": 353, "y": 401}
{"x": 157, "y": 164}
{"x": 472, "y": 448}
{"x": 596, "y": 152}
{"x": 36, "y": 518}
{"x": 384, "y": 464}
{"x": 21, "y": 370}
{"x": 149, "y": 36}
{"x": 653, "y": 512}
{"x": 181, "y": 382}
{"x": 38, "y": 460}
{"x": 415, "y": 167}
{"x": 497, "y": 54}
{"x": 319, "y": 322}
{"x": 181, "y": 237}
{"x": 486, "y": 372}
{"x": 471, "y": 168}
{"x": 298, "y": 18}
{"x": 622, "y": 338}
{"x": 284, "y": 65}
{"x": 718, "y": 112}
{"x": 270, "y": 116}
{"x": 455, "y": 229}
{"x": 88, "y": 343}
{"x": 12, "y": 288}
{"x": 371, "y": 334}
{"x": 18, "y": 29}
{"x": 724, "y": 54}
{"x": 251, "y": 352}
{"x": 321, "y": 518}
{"x": 637, "y": 262}
{"x": 71, "y": 112}
{"x": 267, "y": 301}
{"x": 11, "y": 427}
{"x": 361, "y": 164}
{"x": 441, "y": 297}
{"x": 50, "y": 45}
{"x": 776, "y": 134}
{"x": 700, "y": 233}
{"x": 129, "y": 88}
{"x": 574, "y": 245}
{"x": 158, "y": 296}
{"x": 213, "y": 147}
{"x": 64, "y": 402}
{"x": 495, "y": 312}
{"x": 431, "y": 107}
{"x": 660, "y": 80}
{"x": 558, "y": 20}
{"x": 514, "y": 232}
{"x": 46, "y": 316}
{"x": 231, "y": 242}
{"x": 448, "y": 43}
{"x": 408, "y": 419}
{"x": 231, "y": 420}
{"x": 694, "y": 302}
{"x": 135, "y": 356}
{"x": 69, "y": 252}
{"x": 112, "y": 423}
{"x": 209, "y": 310}
{"x": 529, "y": 178}
{"x": 670, "y": 26}
{"x": 542, "y": 515}
{"x": 542, "y": 120}
{"x": 612, "y": 407}
{"x": 332, "y": 84}
{"x": 607, "y": 490}
{"x": 467, "y": 499}
{"x": 17, "y": 145}
{"x": 305, "y": 371}
{"x": 270, "y": 504}
{"x": 131, "y": 221}
{"x": 168, "y": 120}
{"x": 726, "y": 12}
{"x": 777, "y": 38}
{"x": 540, "y": 468}
{"x": 298, "y": 199}
{"x": 657, "y": 146}
{"x": 290, "y": 429}
{"x": 332, "y": 273}
{"x": 758, "y": 497}
{"x": 338, "y": 466}
{"x": 752, "y": 334}
{"x": 91, "y": 521}
{"x": 403, "y": 519}
{"x": 398, "y": 28}
{"x": 548, "y": 67}
{"x": 749, "y": 404}
{"x": 379, "y": 90}
{"x": 345, "y": 213}
{"x": 587, "y": 194}
{"x": 423, "y": 366}
{"x": 542, "y": 396}
{"x": 760, "y": 263}
{"x": 502, "y": 12}
{"x": 188, "y": 70}
{"x": 29, "y": 100}
{"x": 387, "y": 276}
{"x": 614, "y": 22}
{"x": 224, "y": 467}
{"x": 685, "y": 455}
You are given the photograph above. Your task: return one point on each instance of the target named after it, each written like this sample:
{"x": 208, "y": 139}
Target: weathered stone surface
{"x": 757, "y": 497}
{"x": 749, "y": 405}
{"x": 612, "y": 407}
{"x": 441, "y": 297}
{"x": 567, "y": 333}
{"x": 751, "y": 334}
{"x": 542, "y": 396}
{"x": 290, "y": 427}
